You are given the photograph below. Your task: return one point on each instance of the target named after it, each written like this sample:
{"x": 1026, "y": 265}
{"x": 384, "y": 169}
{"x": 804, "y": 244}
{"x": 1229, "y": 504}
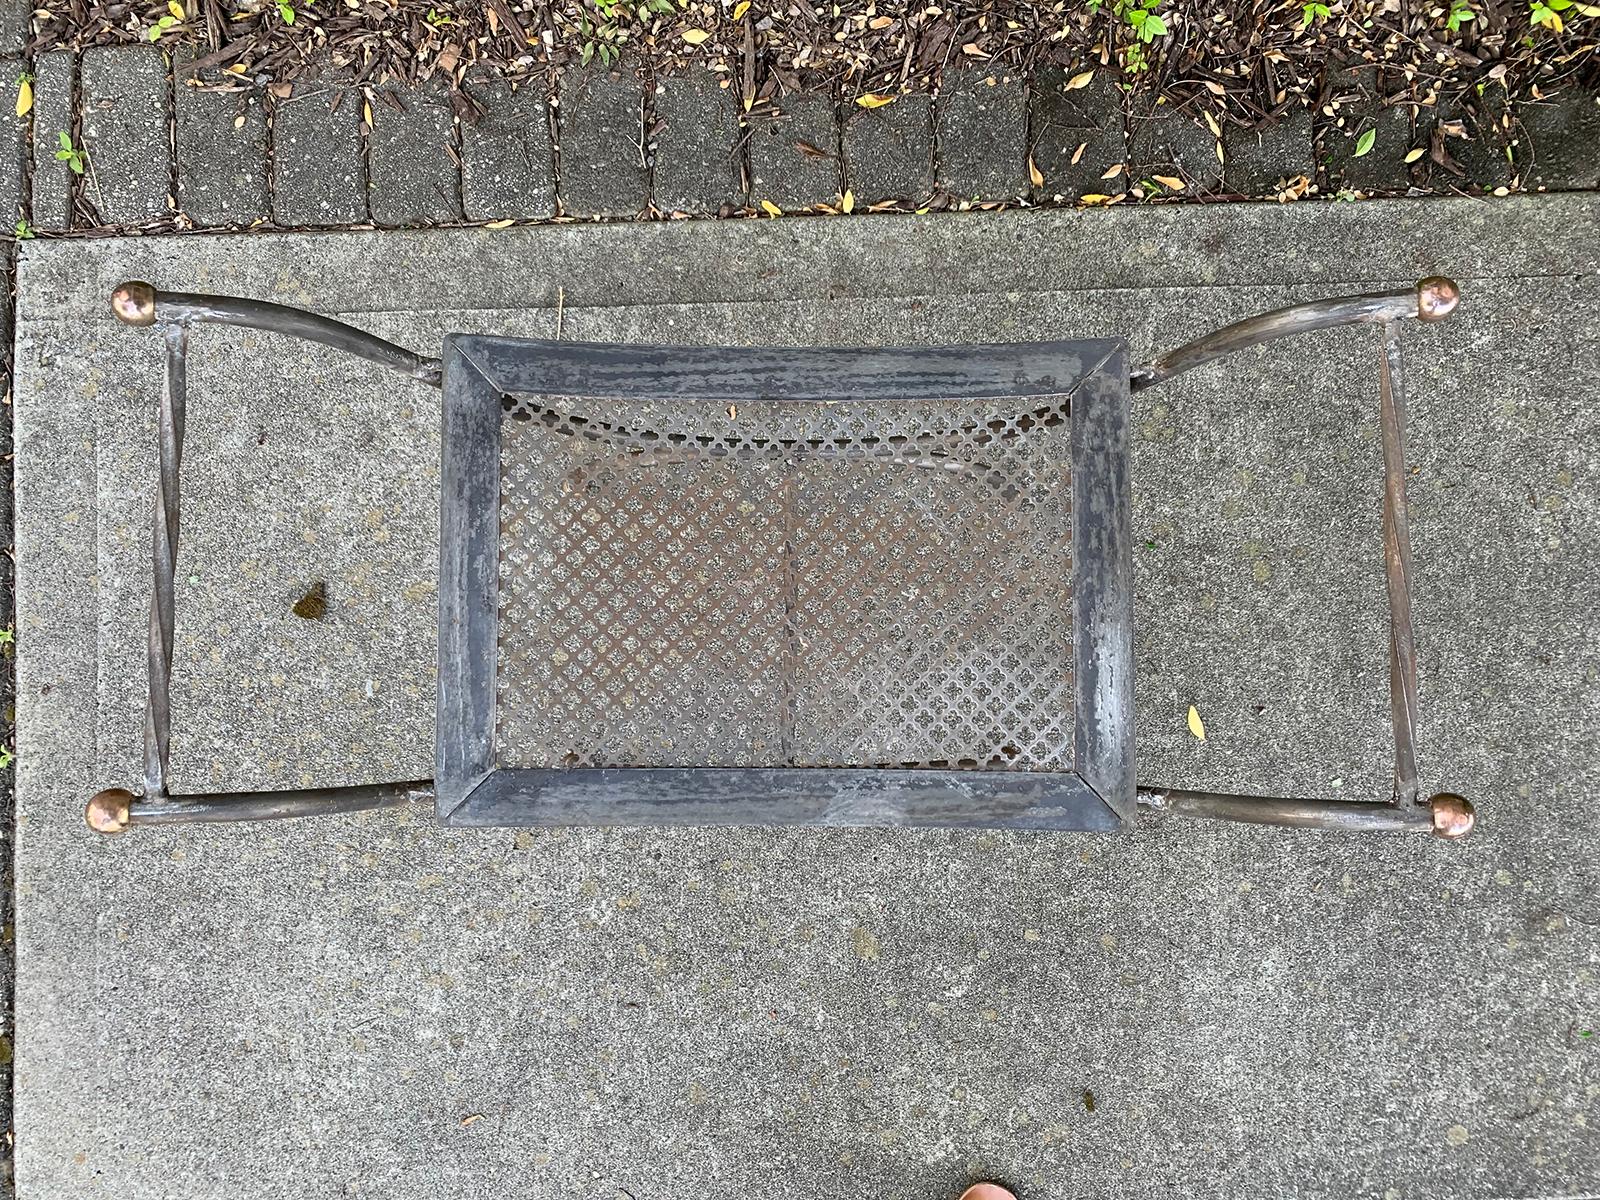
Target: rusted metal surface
{"x": 770, "y": 584}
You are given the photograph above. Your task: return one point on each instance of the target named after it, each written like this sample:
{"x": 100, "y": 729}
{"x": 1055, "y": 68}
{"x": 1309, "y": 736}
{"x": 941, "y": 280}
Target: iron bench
{"x": 760, "y": 586}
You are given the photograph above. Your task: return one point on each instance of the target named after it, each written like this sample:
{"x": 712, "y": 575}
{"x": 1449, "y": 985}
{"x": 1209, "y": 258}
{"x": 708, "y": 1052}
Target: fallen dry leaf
{"x": 847, "y": 202}
{"x": 1093, "y": 198}
{"x": 24, "y": 98}
{"x": 1112, "y": 171}
{"x": 1080, "y": 80}
{"x": 740, "y": 9}
{"x": 694, "y": 36}
{"x": 874, "y": 100}
{"x": 1413, "y": 155}
{"x": 506, "y": 224}
{"x": 1171, "y": 182}
{"x": 1196, "y": 725}
{"x": 1078, "y": 153}
{"x": 771, "y": 209}
{"x": 1034, "y": 174}
{"x": 880, "y": 22}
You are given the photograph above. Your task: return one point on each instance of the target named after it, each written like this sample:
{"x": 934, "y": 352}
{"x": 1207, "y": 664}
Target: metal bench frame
{"x": 471, "y": 790}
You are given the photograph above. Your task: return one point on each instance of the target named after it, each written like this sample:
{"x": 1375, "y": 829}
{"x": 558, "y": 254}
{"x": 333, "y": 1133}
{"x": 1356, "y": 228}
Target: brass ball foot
{"x": 109, "y": 811}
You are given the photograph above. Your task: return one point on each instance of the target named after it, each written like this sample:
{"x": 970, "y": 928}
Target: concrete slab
{"x": 1259, "y": 161}
{"x": 507, "y": 158}
{"x": 223, "y": 169}
{"x": 1558, "y": 145}
{"x": 411, "y": 156}
{"x": 1359, "y": 109}
{"x": 124, "y": 105}
{"x": 319, "y": 168}
{"x": 1077, "y": 135}
{"x": 16, "y": 17}
{"x": 372, "y": 1006}
{"x": 794, "y": 152}
{"x": 52, "y": 116}
{"x": 888, "y": 151}
{"x": 981, "y": 119}
{"x": 602, "y": 151}
{"x": 698, "y": 167}
{"x": 1163, "y": 140}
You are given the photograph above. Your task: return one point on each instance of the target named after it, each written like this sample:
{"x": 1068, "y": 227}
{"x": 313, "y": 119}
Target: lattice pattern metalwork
{"x": 785, "y": 584}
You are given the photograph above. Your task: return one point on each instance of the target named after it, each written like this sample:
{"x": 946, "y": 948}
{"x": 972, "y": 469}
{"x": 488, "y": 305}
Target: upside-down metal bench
{"x": 821, "y": 586}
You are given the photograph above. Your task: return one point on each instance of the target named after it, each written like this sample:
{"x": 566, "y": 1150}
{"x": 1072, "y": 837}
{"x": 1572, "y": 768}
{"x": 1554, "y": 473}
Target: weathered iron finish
{"x": 1348, "y": 815}
{"x": 137, "y": 303}
{"x": 164, "y": 564}
{"x": 487, "y": 379}
{"x": 1397, "y": 571}
{"x": 827, "y": 797}
{"x": 846, "y": 421}
{"x": 1432, "y": 299}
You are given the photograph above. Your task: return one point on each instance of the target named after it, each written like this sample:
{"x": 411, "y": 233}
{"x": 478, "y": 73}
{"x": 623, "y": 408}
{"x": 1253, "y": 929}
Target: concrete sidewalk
{"x": 369, "y": 1006}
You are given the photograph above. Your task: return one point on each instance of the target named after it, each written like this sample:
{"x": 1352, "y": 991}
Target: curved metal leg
{"x": 1447, "y": 814}
{"x": 115, "y": 809}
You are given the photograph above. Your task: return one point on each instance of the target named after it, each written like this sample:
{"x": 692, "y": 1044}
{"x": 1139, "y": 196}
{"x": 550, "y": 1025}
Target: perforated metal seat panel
{"x": 822, "y": 586}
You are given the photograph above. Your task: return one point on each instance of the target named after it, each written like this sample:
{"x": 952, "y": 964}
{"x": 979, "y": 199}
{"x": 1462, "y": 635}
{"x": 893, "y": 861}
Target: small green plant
{"x": 1460, "y": 13}
{"x": 5, "y": 757}
{"x": 1313, "y": 12}
{"x": 286, "y": 12}
{"x": 69, "y": 154}
{"x": 1142, "y": 16}
{"x": 437, "y": 19}
{"x": 1548, "y": 13}
{"x": 24, "y": 231}
{"x": 7, "y": 636}
{"x": 173, "y": 16}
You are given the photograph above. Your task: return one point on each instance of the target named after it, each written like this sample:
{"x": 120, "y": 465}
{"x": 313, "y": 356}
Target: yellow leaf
{"x": 1171, "y": 182}
{"x": 1196, "y": 725}
{"x": 1034, "y": 174}
{"x": 771, "y": 209}
{"x": 1093, "y": 198}
{"x": 847, "y": 202}
{"x": 874, "y": 100}
{"x": 175, "y": 9}
{"x": 1413, "y": 155}
{"x": 694, "y": 36}
{"x": 1078, "y": 81}
{"x": 366, "y": 113}
{"x": 238, "y": 68}
{"x": 1211, "y": 124}
{"x": 506, "y": 224}
{"x": 24, "y": 98}
{"x": 740, "y": 9}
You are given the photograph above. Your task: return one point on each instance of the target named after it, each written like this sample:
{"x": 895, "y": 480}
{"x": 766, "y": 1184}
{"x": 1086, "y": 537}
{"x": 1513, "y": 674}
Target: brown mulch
{"x": 1240, "y": 59}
